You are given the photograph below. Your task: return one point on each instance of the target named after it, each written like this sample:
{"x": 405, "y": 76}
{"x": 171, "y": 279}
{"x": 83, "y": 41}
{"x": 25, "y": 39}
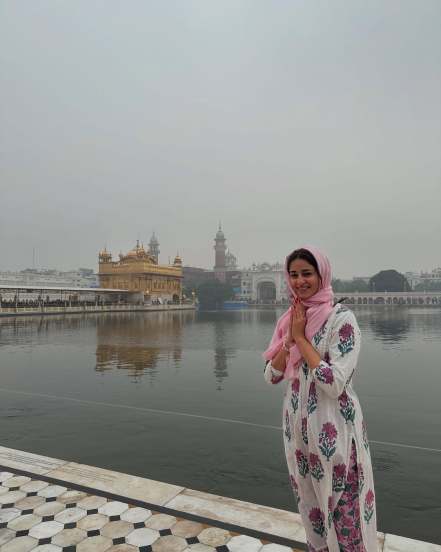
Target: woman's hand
{"x": 298, "y": 320}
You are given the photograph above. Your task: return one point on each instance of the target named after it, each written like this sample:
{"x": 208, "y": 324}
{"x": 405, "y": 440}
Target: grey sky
{"x": 292, "y": 122}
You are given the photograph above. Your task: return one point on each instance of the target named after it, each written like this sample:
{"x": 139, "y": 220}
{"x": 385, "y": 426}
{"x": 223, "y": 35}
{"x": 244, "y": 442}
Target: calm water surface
{"x": 80, "y": 388}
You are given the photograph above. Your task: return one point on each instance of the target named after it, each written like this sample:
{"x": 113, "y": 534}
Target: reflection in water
{"x": 136, "y": 344}
{"x": 390, "y": 327}
{"x": 29, "y": 330}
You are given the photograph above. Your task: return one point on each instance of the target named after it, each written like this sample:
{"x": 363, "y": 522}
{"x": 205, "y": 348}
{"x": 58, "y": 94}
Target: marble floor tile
{"x": 52, "y": 491}
{"x": 20, "y": 544}
{"x": 69, "y": 537}
{"x": 94, "y": 544}
{"x": 169, "y": 543}
{"x": 113, "y": 508}
{"x": 4, "y": 475}
{"x": 71, "y": 496}
{"x": 92, "y": 522}
{"x": 186, "y": 529}
{"x": 136, "y": 515}
{"x": 46, "y": 529}
{"x": 160, "y": 521}
{"x": 49, "y": 508}
{"x": 142, "y": 537}
{"x": 7, "y": 514}
{"x": 116, "y": 529}
{"x": 214, "y": 536}
{"x": 6, "y": 535}
{"x": 47, "y": 548}
{"x": 3, "y": 490}
{"x": 11, "y": 497}
{"x": 16, "y": 481}
{"x": 30, "y": 502}
{"x": 243, "y": 543}
{"x": 91, "y": 502}
{"x": 199, "y": 547}
{"x": 123, "y": 548}
{"x": 70, "y": 515}
{"x": 34, "y": 486}
{"x": 25, "y": 522}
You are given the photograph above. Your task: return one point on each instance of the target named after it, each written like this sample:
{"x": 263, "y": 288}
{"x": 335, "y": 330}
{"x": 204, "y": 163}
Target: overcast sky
{"x": 293, "y": 122}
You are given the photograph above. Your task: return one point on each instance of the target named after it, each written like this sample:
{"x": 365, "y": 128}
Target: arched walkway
{"x": 266, "y": 292}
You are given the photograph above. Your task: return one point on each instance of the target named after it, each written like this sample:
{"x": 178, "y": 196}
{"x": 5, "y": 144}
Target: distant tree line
{"x": 211, "y": 295}
{"x": 385, "y": 280}
{"x": 428, "y": 286}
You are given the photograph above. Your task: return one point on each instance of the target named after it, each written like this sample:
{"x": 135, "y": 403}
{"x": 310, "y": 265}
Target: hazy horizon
{"x": 292, "y": 123}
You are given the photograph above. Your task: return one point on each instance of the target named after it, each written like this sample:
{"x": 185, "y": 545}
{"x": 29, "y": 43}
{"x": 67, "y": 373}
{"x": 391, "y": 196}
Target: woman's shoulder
{"x": 343, "y": 315}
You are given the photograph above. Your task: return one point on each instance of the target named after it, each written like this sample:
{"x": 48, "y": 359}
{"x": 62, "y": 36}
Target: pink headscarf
{"x": 318, "y": 308}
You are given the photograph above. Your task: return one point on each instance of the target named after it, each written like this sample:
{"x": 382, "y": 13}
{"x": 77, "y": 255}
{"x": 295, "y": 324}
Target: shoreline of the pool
{"x": 51, "y": 311}
{"x": 243, "y": 518}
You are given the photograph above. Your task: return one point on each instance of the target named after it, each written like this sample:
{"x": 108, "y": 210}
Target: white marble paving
{"x": 136, "y": 515}
{"x": 394, "y": 543}
{"x": 70, "y": 515}
{"x": 5, "y": 475}
{"x": 52, "y": 491}
{"x": 113, "y": 508}
{"x": 9, "y": 514}
{"x": 142, "y": 537}
{"x": 227, "y": 510}
{"x": 236, "y": 512}
{"x": 243, "y": 543}
{"x": 27, "y": 461}
{"x": 46, "y": 529}
{"x": 122, "y": 484}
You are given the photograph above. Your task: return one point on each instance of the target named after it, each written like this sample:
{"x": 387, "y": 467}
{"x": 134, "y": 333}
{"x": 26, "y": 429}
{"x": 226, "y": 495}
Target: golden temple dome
{"x": 178, "y": 260}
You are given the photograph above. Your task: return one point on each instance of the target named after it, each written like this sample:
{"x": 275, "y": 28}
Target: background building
{"x": 83, "y": 277}
{"x": 263, "y": 283}
{"x": 139, "y": 271}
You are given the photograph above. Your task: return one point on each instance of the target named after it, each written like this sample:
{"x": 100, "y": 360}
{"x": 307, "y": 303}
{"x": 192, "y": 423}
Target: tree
{"x": 211, "y": 295}
{"x": 349, "y": 286}
{"x": 428, "y": 286}
{"x": 389, "y": 280}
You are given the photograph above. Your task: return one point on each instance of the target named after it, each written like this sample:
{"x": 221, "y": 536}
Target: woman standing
{"x": 315, "y": 347}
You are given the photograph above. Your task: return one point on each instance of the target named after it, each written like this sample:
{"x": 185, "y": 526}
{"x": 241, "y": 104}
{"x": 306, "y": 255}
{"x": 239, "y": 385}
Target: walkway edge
{"x": 252, "y": 519}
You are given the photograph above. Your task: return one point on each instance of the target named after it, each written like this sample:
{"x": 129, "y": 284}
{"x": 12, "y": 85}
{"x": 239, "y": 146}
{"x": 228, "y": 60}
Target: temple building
{"x": 139, "y": 271}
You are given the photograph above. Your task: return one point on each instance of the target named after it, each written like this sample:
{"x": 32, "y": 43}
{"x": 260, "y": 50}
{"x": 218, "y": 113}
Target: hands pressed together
{"x": 297, "y": 323}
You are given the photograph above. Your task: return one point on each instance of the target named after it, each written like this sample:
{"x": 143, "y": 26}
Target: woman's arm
{"x": 298, "y": 324}
{"x": 310, "y": 355}
{"x": 279, "y": 361}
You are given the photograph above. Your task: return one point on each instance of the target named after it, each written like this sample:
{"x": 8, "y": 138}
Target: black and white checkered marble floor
{"x": 45, "y": 516}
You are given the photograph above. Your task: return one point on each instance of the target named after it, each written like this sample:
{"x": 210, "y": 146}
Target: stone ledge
{"x": 255, "y": 517}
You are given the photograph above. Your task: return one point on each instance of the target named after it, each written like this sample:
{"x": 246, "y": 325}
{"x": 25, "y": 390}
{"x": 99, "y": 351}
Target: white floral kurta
{"x": 321, "y": 418}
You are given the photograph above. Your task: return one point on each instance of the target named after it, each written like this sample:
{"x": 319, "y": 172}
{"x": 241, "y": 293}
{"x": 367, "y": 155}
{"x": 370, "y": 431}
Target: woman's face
{"x": 304, "y": 279}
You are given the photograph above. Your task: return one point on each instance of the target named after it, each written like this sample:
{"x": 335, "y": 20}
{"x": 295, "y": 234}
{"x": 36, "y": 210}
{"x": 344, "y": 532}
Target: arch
{"x": 266, "y": 291}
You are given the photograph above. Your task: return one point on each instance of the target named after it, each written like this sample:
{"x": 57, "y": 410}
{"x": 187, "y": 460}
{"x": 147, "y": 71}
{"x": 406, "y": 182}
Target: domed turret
{"x": 154, "y": 248}
{"x": 219, "y": 234}
{"x": 177, "y": 261}
{"x": 104, "y": 256}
